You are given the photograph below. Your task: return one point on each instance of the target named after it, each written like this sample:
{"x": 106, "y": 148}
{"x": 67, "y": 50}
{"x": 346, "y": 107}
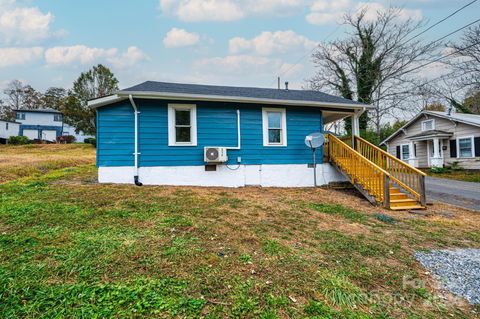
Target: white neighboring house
{"x": 435, "y": 139}
{"x": 45, "y": 124}
{"x": 7, "y": 129}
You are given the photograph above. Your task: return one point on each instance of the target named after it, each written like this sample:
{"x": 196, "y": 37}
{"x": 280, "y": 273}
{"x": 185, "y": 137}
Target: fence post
{"x": 386, "y": 191}
{"x": 421, "y": 189}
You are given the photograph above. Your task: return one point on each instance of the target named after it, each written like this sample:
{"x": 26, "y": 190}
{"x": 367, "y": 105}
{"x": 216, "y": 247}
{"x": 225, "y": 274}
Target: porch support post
{"x": 412, "y": 158}
{"x": 355, "y": 126}
{"x": 436, "y": 160}
{"x": 436, "y": 148}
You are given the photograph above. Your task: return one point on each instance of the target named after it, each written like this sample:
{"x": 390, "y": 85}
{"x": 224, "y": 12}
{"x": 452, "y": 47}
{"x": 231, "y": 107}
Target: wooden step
{"x": 414, "y": 207}
{"x": 398, "y": 196}
{"x": 405, "y": 203}
{"x": 402, "y": 202}
{"x": 394, "y": 190}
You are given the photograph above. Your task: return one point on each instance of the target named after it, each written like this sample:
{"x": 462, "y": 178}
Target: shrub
{"x": 67, "y": 139}
{"x": 438, "y": 170}
{"x": 455, "y": 166}
{"x": 91, "y": 140}
{"x": 18, "y": 140}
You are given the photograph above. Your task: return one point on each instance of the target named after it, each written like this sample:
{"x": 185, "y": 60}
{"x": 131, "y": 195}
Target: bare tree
{"x": 371, "y": 65}
{"x": 467, "y": 59}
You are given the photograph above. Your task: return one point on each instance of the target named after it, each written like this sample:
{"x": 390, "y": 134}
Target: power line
{"x": 325, "y": 39}
{"x": 440, "y": 58}
{"x": 440, "y": 21}
{"x": 415, "y": 36}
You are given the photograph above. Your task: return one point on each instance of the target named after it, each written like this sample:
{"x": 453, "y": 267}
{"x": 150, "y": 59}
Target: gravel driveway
{"x": 463, "y": 194}
{"x": 456, "y": 269}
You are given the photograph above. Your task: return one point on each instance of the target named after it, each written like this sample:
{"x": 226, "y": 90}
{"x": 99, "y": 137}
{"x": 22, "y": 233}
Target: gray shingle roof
{"x": 245, "y": 92}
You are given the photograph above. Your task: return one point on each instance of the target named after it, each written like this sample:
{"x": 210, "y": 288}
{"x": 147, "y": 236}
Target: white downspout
{"x": 136, "y": 153}
{"x": 239, "y": 138}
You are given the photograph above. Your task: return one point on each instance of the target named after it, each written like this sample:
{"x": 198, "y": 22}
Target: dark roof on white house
{"x": 245, "y": 92}
{"x": 46, "y": 110}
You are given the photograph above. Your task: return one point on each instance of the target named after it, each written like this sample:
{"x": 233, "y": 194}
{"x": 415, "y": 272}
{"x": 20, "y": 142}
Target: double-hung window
{"x": 405, "y": 151}
{"x": 57, "y": 117}
{"x": 465, "y": 146}
{"x": 182, "y": 125}
{"x": 274, "y": 127}
{"x": 20, "y": 116}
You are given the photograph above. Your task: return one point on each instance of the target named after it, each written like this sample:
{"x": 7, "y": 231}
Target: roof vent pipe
{"x": 286, "y": 86}
{"x": 449, "y": 111}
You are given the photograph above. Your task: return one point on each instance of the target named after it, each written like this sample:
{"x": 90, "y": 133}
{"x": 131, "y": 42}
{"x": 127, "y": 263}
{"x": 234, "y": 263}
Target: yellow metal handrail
{"x": 408, "y": 177}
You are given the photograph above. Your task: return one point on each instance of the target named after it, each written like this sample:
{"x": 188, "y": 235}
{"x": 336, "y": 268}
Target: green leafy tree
{"x": 54, "y": 97}
{"x": 97, "y": 82}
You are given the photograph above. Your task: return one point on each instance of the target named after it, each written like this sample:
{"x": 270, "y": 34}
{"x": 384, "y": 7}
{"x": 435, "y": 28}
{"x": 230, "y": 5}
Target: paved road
{"x": 464, "y": 194}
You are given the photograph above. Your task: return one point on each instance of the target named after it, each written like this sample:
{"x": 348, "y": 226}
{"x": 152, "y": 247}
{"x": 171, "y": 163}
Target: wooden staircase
{"x": 379, "y": 176}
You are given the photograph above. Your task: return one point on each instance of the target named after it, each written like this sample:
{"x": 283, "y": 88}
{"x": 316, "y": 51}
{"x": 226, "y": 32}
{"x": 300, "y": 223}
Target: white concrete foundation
{"x": 292, "y": 175}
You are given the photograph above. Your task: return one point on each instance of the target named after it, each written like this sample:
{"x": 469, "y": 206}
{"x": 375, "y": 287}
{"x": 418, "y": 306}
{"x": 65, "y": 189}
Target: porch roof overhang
{"x": 428, "y": 135}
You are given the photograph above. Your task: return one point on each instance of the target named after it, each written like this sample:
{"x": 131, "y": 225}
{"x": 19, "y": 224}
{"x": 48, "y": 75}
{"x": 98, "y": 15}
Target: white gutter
{"x": 136, "y": 153}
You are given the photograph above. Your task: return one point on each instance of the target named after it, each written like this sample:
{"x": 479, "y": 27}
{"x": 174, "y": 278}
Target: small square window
{"x": 274, "y": 127}
{"x": 428, "y": 125}
{"x": 20, "y": 116}
{"x": 57, "y": 117}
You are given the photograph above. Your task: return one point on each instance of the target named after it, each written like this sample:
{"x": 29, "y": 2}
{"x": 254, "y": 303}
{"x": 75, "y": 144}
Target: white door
{"x": 49, "y": 135}
{"x": 31, "y": 134}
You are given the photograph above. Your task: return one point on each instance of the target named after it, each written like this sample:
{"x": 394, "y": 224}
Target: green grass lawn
{"x": 72, "y": 248}
{"x": 460, "y": 175}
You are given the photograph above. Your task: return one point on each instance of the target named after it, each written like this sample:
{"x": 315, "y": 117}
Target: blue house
{"x": 184, "y": 134}
{"x": 45, "y": 124}
{"x": 40, "y": 124}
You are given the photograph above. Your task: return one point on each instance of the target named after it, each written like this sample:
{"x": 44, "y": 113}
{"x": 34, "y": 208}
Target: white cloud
{"x": 329, "y": 12}
{"x": 132, "y": 56}
{"x": 20, "y": 25}
{"x": 226, "y": 10}
{"x": 268, "y": 43}
{"x": 78, "y": 54}
{"x": 86, "y": 55}
{"x": 176, "y": 38}
{"x": 18, "y": 56}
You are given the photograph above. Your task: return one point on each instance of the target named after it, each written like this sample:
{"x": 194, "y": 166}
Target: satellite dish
{"x": 314, "y": 141}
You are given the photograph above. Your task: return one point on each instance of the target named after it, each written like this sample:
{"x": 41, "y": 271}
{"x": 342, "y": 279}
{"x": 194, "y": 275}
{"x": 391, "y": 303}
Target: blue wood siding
{"x": 216, "y": 126}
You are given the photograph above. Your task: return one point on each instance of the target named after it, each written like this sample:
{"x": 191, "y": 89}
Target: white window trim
{"x": 472, "y": 139}
{"x": 429, "y": 120}
{"x": 401, "y": 152}
{"x": 171, "y": 124}
{"x": 265, "y": 126}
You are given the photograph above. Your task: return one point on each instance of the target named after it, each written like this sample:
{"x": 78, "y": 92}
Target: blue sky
{"x": 234, "y": 42}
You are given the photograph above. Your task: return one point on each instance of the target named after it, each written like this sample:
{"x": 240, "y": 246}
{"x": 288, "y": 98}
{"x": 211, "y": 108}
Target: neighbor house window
{"x": 405, "y": 151}
{"x": 182, "y": 125}
{"x": 274, "y": 127}
{"x": 428, "y": 125}
{"x": 6, "y": 126}
{"x": 57, "y": 117}
{"x": 20, "y": 116}
{"x": 465, "y": 146}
